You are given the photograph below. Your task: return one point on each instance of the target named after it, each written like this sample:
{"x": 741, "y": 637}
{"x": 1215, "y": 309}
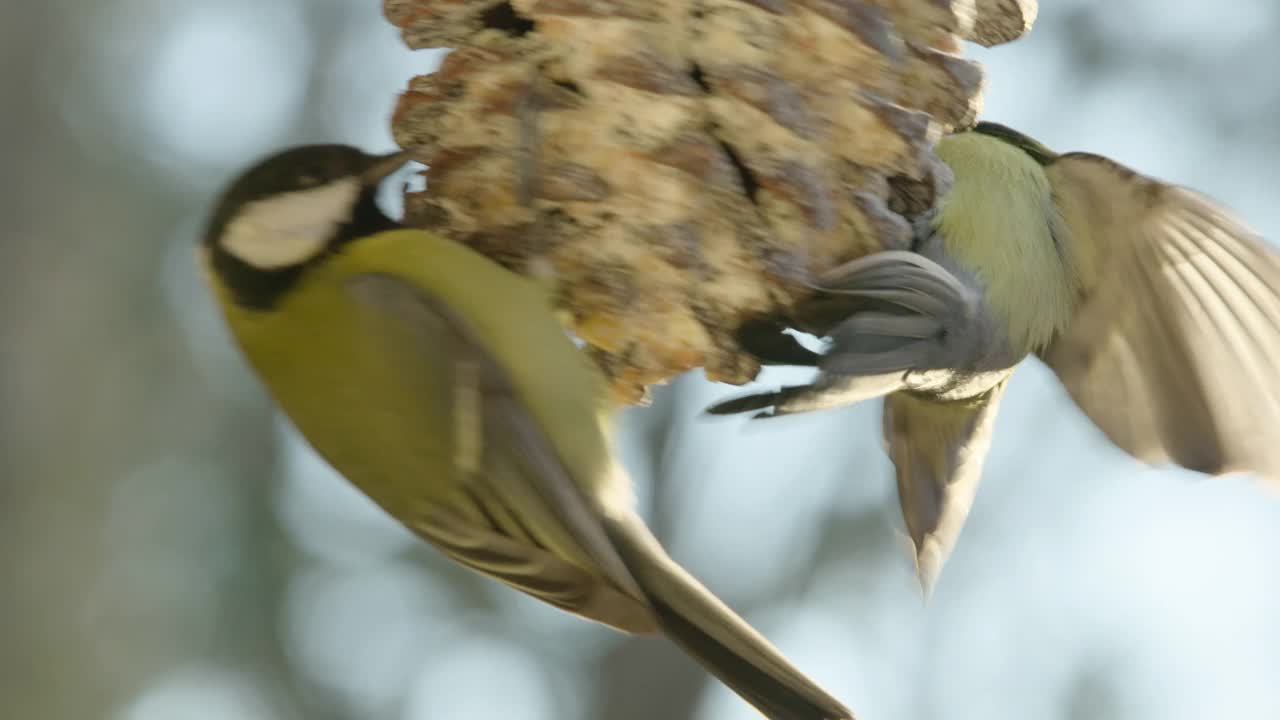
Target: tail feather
{"x": 717, "y": 637}
{"x": 937, "y": 450}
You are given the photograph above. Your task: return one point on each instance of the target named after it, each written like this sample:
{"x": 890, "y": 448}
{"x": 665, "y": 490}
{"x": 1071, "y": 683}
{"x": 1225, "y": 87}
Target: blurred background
{"x": 170, "y": 551}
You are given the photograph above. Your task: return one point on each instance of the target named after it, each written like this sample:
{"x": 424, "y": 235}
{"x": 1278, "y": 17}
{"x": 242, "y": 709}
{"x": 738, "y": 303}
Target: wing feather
{"x": 516, "y": 513}
{"x": 1172, "y": 349}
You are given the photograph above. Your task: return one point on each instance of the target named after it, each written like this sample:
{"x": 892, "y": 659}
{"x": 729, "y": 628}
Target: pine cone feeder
{"x": 682, "y": 166}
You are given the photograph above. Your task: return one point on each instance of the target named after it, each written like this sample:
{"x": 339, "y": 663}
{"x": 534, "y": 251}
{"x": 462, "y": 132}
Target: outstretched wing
{"x": 1173, "y": 349}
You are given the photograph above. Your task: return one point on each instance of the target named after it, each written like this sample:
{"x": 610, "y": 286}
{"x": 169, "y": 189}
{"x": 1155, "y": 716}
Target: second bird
{"x": 1158, "y": 311}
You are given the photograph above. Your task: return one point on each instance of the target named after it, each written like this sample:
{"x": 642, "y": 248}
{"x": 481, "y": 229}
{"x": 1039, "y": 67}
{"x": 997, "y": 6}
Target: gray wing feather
{"x": 519, "y": 517}
{"x": 542, "y": 518}
{"x": 1172, "y": 349}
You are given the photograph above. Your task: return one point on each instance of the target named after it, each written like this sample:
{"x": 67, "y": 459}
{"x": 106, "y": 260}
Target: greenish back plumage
{"x": 999, "y": 220}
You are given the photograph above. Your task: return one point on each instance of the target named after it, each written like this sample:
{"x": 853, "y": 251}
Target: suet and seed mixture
{"x": 677, "y": 167}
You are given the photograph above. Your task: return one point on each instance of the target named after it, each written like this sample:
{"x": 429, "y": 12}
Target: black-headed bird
{"x": 442, "y": 386}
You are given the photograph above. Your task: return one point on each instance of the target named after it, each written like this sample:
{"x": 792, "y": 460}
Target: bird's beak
{"x": 382, "y": 166}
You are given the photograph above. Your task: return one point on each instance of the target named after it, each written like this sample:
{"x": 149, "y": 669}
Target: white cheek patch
{"x": 290, "y": 229}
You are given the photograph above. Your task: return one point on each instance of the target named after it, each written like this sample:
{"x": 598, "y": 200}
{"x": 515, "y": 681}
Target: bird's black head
{"x": 291, "y": 210}
{"x": 1030, "y": 146}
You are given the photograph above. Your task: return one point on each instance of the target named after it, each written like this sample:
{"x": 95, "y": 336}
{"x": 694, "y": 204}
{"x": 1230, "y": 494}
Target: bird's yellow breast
{"x": 999, "y": 220}
{"x": 373, "y": 407}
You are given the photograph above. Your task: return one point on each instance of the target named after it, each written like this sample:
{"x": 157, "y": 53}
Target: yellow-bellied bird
{"x": 442, "y": 386}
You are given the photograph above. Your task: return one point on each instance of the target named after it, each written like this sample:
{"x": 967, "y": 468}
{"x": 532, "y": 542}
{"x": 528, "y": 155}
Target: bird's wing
{"x": 519, "y": 516}
{"x": 514, "y": 511}
{"x": 1173, "y": 347}
{"x": 937, "y": 449}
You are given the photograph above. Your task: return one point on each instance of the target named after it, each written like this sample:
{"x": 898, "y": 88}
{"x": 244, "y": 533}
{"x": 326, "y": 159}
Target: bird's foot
{"x": 828, "y": 391}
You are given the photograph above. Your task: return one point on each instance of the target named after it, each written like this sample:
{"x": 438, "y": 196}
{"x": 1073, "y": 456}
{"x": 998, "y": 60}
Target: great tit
{"x": 443, "y": 387}
{"x": 1155, "y": 307}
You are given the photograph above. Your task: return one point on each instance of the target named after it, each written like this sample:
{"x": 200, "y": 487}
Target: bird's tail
{"x": 716, "y": 637}
{"x": 937, "y": 450}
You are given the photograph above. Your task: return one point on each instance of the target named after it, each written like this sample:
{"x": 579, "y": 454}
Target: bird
{"x": 443, "y": 386}
{"x": 1157, "y": 309}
